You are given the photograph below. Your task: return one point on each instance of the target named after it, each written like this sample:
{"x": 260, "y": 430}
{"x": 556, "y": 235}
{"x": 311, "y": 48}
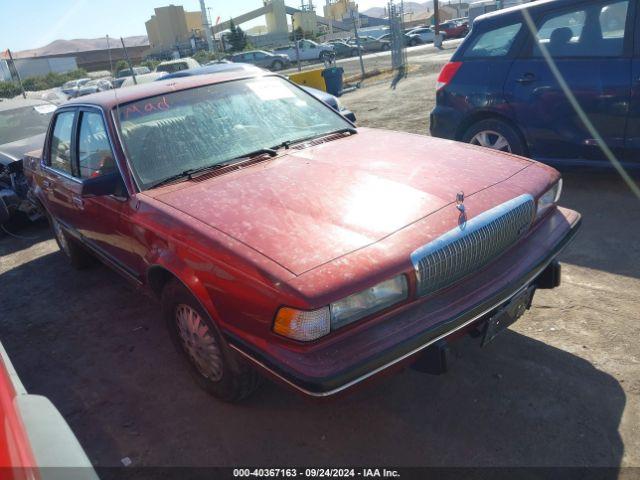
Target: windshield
{"x": 23, "y": 122}
{"x": 209, "y": 125}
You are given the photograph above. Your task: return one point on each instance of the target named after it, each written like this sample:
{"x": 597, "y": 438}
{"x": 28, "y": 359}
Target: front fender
{"x": 180, "y": 269}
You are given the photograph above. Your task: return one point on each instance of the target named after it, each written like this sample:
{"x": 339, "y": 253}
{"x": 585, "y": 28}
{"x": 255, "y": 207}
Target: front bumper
{"x": 336, "y": 364}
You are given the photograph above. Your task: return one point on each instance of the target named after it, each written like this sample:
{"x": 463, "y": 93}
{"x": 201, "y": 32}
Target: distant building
{"x": 39, "y": 66}
{"x": 340, "y": 9}
{"x": 171, "y": 26}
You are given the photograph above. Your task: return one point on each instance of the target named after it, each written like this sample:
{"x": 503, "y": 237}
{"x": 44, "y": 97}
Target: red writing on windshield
{"x": 147, "y": 107}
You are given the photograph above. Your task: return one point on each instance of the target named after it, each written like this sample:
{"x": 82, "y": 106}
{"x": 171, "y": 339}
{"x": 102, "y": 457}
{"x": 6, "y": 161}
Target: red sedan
{"x": 282, "y": 240}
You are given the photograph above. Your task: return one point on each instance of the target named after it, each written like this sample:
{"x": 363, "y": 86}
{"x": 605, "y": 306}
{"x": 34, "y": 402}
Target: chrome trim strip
{"x": 529, "y": 278}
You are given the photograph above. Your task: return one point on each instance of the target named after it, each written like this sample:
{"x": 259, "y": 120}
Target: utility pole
{"x": 206, "y": 26}
{"x": 295, "y": 41}
{"x": 126, "y": 56}
{"x": 13, "y": 63}
{"x": 355, "y": 15}
{"x": 436, "y": 17}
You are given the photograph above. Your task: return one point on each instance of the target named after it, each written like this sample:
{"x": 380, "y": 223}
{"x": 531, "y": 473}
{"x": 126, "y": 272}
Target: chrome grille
{"x": 472, "y": 245}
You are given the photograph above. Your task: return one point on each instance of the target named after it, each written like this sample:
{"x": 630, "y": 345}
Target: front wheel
{"x": 277, "y": 65}
{"x": 496, "y": 135}
{"x": 214, "y": 366}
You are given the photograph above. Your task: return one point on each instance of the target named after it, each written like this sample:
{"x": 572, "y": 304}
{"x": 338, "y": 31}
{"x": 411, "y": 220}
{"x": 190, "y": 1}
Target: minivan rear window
{"x": 493, "y": 43}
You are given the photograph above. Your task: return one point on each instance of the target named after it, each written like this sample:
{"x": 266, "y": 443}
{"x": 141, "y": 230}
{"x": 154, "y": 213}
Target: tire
{"x": 413, "y": 43}
{"x": 354, "y": 52}
{"x": 385, "y": 47}
{"x": 214, "y": 366}
{"x": 277, "y": 65}
{"x": 495, "y": 134}
{"x": 79, "y": 258}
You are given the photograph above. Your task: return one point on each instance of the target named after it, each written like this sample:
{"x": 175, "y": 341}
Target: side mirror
{"x": 108, "y": 184}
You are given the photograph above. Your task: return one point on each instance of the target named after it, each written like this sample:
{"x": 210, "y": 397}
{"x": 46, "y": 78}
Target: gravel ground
{"x": 560, "y": 388}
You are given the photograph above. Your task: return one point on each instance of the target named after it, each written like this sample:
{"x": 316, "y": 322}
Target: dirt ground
{"x": 560, "y": 388}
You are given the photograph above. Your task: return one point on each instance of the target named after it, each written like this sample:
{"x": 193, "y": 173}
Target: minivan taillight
{"x": 447, "y": 73}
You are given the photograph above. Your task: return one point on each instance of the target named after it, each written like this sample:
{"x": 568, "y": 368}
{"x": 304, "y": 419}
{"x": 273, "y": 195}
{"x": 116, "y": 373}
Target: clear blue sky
{"x": 26, "y": 24}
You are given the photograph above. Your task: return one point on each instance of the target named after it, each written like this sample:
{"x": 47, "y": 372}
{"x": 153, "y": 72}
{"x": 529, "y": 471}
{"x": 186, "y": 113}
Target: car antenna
{"x": 115, "y": 93}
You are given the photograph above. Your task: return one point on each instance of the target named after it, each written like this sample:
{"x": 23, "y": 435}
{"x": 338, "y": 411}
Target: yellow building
{"x": 171, "y": 25}
{"x": 339, "y": 9}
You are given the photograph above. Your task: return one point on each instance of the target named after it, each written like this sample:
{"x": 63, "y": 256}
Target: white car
{"x": 308, "y": 50}
{"x": 171, "y": 66}
{"x": 426, "y": 34}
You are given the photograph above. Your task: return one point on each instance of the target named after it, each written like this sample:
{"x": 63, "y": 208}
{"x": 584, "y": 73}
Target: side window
{"x": 494, "y": 43}
{"x": 60, "y": 155}
{"x": 612, "y": 19}
{"x": 595, "y": 30}
{"x": 94, "y": 151}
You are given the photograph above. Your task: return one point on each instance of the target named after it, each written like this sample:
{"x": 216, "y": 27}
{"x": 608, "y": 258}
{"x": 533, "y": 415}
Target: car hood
{"x": 14, "y": 151}
{"x": 317, "y": 203}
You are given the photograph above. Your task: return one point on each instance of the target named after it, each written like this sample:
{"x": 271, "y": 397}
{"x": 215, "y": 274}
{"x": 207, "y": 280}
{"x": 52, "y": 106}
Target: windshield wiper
{"x": 286, "y": 144}
{"x": 191, "y": 172}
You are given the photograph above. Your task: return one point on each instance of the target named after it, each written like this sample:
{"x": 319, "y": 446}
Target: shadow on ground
{"x": 92, "y": 344}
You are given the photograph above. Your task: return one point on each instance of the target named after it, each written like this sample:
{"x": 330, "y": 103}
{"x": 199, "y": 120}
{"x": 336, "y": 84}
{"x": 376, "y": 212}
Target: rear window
{"x": 494, "y": 43}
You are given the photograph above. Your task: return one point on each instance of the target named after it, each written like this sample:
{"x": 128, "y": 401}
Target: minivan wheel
{"x": 214, "y": 366}
{"x": 277, "y": 65}
{"x": 495, "y": 134}
{"x": 78, "y": 256}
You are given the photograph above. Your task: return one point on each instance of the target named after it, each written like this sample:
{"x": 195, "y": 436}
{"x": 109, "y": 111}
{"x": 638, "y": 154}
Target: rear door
{"x": 632, "y": 140}
{"x": 59, "y": 186}
{"x": 590, "y": 43}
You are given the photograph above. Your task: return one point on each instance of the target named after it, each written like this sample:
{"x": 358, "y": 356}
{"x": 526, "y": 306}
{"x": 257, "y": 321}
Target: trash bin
{"x": 333, "y": 80}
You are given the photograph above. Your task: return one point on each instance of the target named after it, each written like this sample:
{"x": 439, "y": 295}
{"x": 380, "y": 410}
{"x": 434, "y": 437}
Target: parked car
{"x": 170, "y": 66}
{"x": 142, "y": 79}
{"x": 23, "y": 124}
{"x": 371, "y": 44}
{"x": 72, "y": 87}
{"x": 343, "y": 49}
{"x": 282, "y": 240}
{"x": 263, "y": 59}
{"x": 409, "y": 40}
{"x": 426, "y": 34}
{"x": 126, "y": 72}
{"x": 454, "y": 29}
{"x": 308, "y": 51}
{"x": 37, "y": 442}
{"x": 518, "y": 105}
{"x": 93, "y": 86}
{"x": 211, "y": 68}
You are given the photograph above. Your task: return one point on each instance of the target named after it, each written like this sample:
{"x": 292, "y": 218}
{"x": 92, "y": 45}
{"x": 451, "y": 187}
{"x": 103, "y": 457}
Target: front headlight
{"x": 371, "y": 300}
{"x": 549, "y": 199}
{"x": 311, "y": 325}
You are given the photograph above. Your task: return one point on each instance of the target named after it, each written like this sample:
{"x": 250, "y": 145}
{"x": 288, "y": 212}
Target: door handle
{"x": 77, "y": 201}
{"x": 526, "y": 78}
{"x": 46, "y": 185}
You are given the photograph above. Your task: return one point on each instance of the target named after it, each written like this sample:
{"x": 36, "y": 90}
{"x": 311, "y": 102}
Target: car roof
{"x": 516, "y": 10}
{"x": 214, "y": 68}
{"x": 110, "y": 98}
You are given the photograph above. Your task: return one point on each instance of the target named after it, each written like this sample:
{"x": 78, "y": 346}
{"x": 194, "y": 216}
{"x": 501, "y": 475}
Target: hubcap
{"x": 60, "y": 236}
{"x": 491, "y": 139}
{"x": 199, "y": 342}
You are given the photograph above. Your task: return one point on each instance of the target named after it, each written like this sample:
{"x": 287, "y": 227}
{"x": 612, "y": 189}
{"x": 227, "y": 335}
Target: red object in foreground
{"x": 280, "y": 237}
{"x": 36, "y": 442}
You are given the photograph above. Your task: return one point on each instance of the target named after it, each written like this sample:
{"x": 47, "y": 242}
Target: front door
{"x": 101, "y": 225}
{"x": 590, "y": 44}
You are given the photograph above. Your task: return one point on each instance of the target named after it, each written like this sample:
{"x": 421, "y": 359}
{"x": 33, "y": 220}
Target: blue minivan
{"x": 500, "y": 91}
